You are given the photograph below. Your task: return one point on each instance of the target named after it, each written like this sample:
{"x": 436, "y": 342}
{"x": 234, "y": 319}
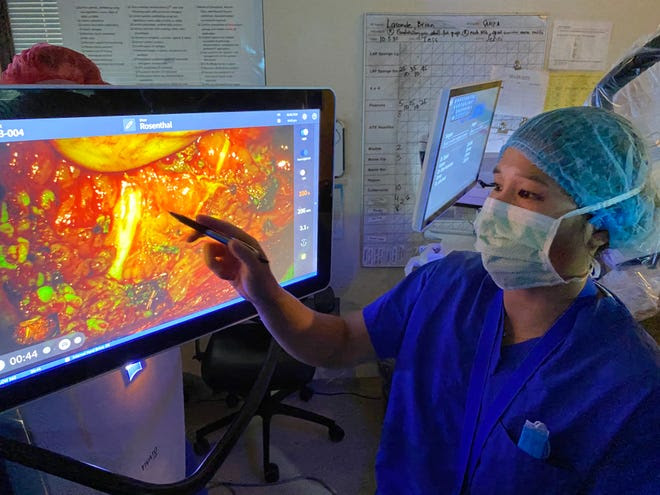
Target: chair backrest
{"x": 233, "y": 358}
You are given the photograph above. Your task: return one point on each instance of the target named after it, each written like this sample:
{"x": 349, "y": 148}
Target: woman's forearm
{"x": 318, "y": 339}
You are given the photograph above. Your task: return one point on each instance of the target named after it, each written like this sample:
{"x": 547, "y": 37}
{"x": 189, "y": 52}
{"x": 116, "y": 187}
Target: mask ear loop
{"x": 594, "y": 265}
{"x": 604, "y": 204}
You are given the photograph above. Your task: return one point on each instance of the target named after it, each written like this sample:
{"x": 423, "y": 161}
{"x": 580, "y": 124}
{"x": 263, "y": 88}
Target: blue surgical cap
{"x": 594, "y": 155}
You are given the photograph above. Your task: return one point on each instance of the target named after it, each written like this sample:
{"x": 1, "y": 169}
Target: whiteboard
{"x": 408, "y": 59}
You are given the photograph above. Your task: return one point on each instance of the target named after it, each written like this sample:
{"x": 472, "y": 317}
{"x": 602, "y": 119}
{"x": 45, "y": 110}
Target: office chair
{"x": 230, "y": 363}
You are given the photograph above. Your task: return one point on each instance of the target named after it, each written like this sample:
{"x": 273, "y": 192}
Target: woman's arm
{"x": 315, "y": 338}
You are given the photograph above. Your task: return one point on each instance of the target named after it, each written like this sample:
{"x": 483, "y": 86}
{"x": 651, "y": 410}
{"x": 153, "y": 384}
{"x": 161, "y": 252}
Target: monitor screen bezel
{"x": 420, "y": 220}
{"x": 126, "y": 100}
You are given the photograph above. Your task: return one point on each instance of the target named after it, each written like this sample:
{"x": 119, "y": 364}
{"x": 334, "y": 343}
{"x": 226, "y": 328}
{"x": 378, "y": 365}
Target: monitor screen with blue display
{"x": 455, "y": 148}
{"x": 94, "y": 271}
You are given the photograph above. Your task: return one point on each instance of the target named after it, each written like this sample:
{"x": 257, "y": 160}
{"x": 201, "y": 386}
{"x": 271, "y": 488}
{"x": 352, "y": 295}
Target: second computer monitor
{"x": 455, "y": 149}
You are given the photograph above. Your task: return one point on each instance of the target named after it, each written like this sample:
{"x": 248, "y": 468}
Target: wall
{"x": 320, "y": 43}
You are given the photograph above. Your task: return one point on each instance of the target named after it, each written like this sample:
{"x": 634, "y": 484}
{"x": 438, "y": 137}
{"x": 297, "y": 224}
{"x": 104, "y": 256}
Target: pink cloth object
{"x": 48, "y": 63}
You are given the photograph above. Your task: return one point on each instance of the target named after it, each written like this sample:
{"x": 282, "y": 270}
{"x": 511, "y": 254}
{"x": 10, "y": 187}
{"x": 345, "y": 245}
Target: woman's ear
{"x": 598, "y": 241}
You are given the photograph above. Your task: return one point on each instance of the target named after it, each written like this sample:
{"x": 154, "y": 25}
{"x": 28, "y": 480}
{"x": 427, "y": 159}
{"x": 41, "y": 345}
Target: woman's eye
{"x": 495, "y": 186}
{"x": 529, "y": 195}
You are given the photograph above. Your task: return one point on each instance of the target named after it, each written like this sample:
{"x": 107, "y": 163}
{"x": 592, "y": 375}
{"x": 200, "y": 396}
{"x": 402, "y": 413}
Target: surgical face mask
{"x": 515, "y": 243}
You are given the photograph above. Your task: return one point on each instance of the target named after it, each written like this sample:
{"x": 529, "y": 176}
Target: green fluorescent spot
{"x": 47, "y": 198}
{"x": 70, "y": 297}
{"x": 24, "y": 198}
{"x": 40, "y": 279}
{"x": 4, "y": 214}
{"x": 23, "y": 249}
{"x": 45, "y": 293}
{"x": 65, "y": 289}
{"x": 7, "y": 228}
{"x": 5, "y": 264}
{"x": 163, "y": 248}
{"x": 104, "y": 223}
{"x": 96, "y": 324}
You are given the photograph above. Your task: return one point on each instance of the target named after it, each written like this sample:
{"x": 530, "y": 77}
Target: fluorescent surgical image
{"x": 87, "y": 244}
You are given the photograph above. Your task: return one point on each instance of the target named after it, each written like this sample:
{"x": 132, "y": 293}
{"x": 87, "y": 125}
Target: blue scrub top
{"x": 598, "y": 393}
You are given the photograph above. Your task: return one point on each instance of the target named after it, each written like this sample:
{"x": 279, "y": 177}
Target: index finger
{"x": 193, "y": 236}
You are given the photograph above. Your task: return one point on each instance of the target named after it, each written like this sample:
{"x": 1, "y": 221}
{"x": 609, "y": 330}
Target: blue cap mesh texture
{"x": 594, "y": 155}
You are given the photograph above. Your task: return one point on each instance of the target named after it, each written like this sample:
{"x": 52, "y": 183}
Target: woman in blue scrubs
{"x": 515, "y": 372}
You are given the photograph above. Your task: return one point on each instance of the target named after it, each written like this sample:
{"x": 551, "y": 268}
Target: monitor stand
{"x": 133, "y": 428}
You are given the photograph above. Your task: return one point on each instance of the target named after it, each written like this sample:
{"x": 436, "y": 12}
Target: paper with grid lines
{"x": 408, "y": 59}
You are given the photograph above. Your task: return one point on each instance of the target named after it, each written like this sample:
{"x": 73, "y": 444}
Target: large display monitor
{"x": 455, "y": 148}
{"x": 94, "y": 271}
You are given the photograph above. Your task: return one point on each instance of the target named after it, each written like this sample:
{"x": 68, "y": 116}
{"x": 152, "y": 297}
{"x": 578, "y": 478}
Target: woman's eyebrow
{"x": 533, "y": 177}
{"x": 539, "y": 179}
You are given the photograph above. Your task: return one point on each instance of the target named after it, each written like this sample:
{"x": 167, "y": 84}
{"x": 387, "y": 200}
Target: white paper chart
{"x": 408, "y": 59}
{"x": 178, "y": 42}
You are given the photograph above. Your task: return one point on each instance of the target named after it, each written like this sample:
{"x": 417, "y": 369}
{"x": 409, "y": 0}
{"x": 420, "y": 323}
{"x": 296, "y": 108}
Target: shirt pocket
{"x": 504, "y": 468}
